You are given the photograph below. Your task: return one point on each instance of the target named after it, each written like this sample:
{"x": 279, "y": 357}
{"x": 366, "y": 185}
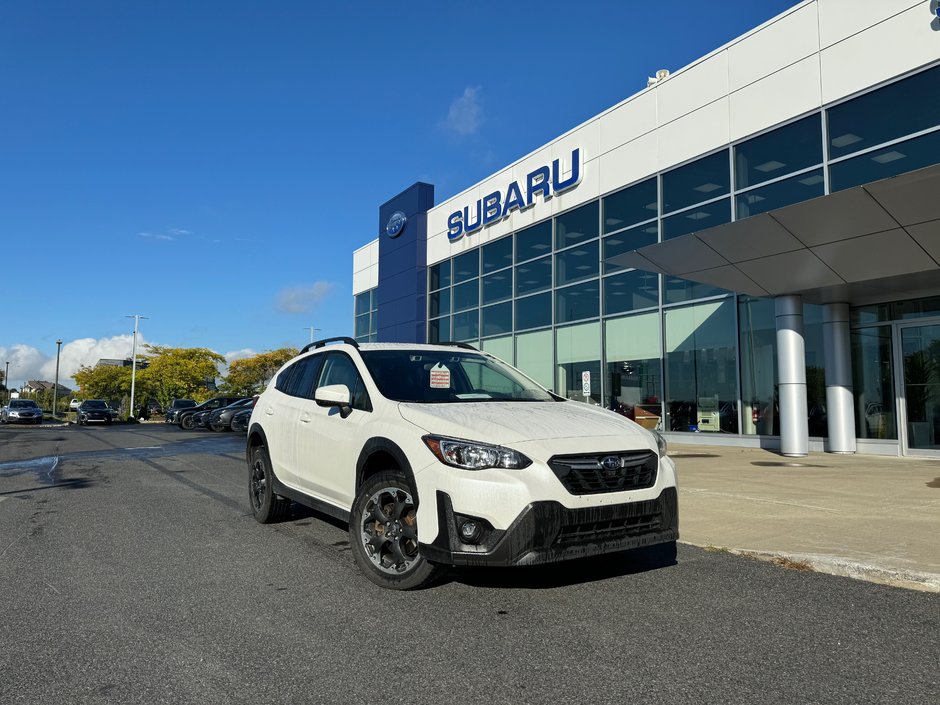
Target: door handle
{"x": 269, "y": 411}
{"x": 306, "y": 418}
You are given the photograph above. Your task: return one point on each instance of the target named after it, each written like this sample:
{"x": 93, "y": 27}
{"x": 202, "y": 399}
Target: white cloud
{"x": 465, "y": 114}
{"x": 167, "y": 235}
{"x": 302, "y": 299}
{"x": 27, "y": 362}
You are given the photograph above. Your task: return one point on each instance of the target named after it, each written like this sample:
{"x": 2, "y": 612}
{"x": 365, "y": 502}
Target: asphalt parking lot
{"x": 132, "y": 572}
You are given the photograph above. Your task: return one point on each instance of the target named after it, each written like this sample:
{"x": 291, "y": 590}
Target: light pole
{"x": 136, "y": 318}
{"x": 312, "y": 329}
{"x": 6, "y": 381}
{"x": 55, "y": 389}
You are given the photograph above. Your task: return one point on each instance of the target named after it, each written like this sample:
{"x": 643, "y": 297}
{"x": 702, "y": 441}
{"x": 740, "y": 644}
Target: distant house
{"x": 35, "y": 386}
{"x": 126, "y": 362}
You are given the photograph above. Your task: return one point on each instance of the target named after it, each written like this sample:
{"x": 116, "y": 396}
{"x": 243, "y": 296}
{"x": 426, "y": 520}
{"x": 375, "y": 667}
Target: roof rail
{"x": 321, "y": 343}
{"x": 465, "y": 346}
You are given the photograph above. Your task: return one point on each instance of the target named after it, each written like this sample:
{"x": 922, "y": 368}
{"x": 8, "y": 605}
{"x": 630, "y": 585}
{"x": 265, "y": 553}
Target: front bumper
{"x": 35, "y": 418}
{"x": 545, "y": 532}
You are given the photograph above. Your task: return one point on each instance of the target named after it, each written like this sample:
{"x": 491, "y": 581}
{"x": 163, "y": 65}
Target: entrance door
{"x": 920, "y": 372}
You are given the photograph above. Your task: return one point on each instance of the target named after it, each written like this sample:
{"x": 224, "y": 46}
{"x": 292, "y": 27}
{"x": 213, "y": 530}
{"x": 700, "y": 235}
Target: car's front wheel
{"x": 187, "y": 422}
{"x": 383, "y": 533}
{"x": 266, "y": 506}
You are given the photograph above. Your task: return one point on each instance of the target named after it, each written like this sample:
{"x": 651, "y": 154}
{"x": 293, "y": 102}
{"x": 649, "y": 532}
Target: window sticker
{"x": 440, "y": 377}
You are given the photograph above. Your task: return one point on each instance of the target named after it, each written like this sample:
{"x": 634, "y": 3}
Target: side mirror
{"x": 335, "y": 395}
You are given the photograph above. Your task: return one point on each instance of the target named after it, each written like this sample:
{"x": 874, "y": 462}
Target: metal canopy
{"x": 869, "y": 244}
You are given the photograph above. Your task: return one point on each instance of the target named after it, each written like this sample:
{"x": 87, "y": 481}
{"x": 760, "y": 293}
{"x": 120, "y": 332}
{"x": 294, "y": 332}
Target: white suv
{"x": 439, "y": 455}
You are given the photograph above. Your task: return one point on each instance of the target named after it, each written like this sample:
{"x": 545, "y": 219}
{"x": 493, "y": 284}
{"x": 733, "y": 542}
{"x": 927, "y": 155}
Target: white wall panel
{"x": 789, "y": 39}
{"x": 541, "y": 209}
{"x": 631, "y": 162}
{"x": 692, "y": 88}
{"x": 437, "y": 219}
{"x": 776, "y": 98}
{"x": 907, "y": 42}
{"x": 840, "y": 19}
{"x": 628, "y": 121}
{"x": 693, "y": 135}
{"x": 438, "y": 248}
{"x": 366, "y": 256}
{"x": 585, "y": 191}
{"x": 365, "y": 279}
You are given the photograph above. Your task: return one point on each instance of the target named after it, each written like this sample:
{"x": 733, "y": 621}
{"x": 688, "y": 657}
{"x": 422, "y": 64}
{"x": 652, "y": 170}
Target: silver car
{"x": 21, "y": 411}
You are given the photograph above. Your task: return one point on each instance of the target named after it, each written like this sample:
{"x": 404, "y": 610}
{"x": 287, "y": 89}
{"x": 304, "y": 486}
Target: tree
{"x": 178, "y": 373}
{"x": 104, "y": 382}
{"x": 249, "y": 376}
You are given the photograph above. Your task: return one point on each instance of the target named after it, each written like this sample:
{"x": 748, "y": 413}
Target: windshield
{"x": 94, "y": 404}
{"x": 22, "y": 404}
{"x": 440, "y": 377}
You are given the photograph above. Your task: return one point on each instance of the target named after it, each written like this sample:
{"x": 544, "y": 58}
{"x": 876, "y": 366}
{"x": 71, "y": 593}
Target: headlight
{"x": 474, "y": 456}
{"x": 660, "y": 443}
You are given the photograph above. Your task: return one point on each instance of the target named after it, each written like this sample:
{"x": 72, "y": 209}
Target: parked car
{"x": 445, "y": 455}
{"x": 241, "y": 420}
{"x": 185, "y": 418}
{"x": 221, "y": 419}
{"x": 177, "y": 406}
{"x": 73, "y": 404}
{"x": 95, "y": 411}
{"x": 21, "y": 411}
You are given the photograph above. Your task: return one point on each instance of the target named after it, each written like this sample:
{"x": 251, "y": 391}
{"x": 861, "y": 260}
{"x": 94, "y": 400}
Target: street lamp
{"x": 136, "y": 318}
{"x": 55, "y": 389}
{"x": 6, "y": 381}
{"x": 311, "y": 329}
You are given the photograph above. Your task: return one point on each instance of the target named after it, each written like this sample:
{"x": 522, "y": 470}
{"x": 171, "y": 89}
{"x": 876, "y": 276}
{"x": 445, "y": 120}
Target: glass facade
{"x": 364, "y": 324}
{"x": 557, "y": 300}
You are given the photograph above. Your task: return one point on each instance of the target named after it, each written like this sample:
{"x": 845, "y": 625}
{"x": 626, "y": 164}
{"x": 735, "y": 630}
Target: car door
{"x": 329, "y": 450}
{"x": 286, "y": 412}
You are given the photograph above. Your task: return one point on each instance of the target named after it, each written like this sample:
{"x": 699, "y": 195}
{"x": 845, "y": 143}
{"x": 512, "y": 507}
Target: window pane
{"x": 576, "y": 264}
{"x": 467, "y": 295}
{"x": 363, "y": 303}
{"x": 439, "y": 330}
{"x": 499, "y": 347}
{"x": 873, "y": 383}
{"x": 699, "y": 181}
{"x": 634, "y": 377}
{"x": 779, "y": 194}
{"x": 497, "y": 320}
{"x": 497, "y": 255}
{"x": 701, "y": 364}
{"x": 882, "y": 163}
{"x": 497, "y": 286}
{"x": 466, "y": 266}
{"x": 534, "y": 241}
{"x": 534, "y": 276}
{"x": 577, "y": 302}
{"x": 697, "y": 219}
{"x": 467, "y": 325}
{"x": 627, "y": 241}
{"x": 676, "y": 290}
{"x": 758, "y": 335}
{"x": 630, "y": 291}
{"x": 362, "y": 325}
{"x": 534, "y": 311}
{"x": 439, "y": 303}
{"x": 534, "y": 356}
{"x": 632, "y": 205}
{"x": 578, "y": 349}
{"x": 886, "y": 114}
{"x": 576, "y": 226}
{"x": 790, "y": 148}
{"x": 439, "y": 275}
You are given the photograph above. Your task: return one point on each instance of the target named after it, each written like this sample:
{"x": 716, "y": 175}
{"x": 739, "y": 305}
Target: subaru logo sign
{"x": 611, "y": 462}
{"x": 395, "y": 224}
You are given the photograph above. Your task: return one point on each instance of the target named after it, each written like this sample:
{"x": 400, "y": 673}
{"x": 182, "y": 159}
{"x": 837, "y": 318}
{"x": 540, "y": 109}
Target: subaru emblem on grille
{"x": 611, "y": 462}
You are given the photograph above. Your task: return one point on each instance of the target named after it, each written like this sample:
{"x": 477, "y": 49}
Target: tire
{"x": 187, "y": 423}
{"x": 384, "y": 537}
{"x": 266, "y": 507}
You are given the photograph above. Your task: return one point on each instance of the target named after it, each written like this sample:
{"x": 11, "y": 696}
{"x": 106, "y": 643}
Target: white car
{"x": 444, "y": 455}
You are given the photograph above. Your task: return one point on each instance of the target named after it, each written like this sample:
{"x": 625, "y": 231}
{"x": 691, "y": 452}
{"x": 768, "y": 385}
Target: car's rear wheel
{"x": 383, "y": 533}
{"x": 187, "y": 422}
{"x": 266, "y": 506}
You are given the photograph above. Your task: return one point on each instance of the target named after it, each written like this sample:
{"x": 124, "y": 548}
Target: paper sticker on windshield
{"x": 440, "y": 377}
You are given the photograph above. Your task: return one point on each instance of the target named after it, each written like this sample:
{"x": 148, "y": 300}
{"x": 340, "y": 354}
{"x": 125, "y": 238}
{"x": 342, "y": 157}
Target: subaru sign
{"x": 494, "y": 207}
{"x": 395, "y": 224}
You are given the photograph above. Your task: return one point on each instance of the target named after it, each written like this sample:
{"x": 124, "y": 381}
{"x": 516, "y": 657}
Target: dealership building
{"x": 746, "y": 252}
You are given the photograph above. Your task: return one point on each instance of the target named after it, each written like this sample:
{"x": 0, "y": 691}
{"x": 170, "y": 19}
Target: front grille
{"x": 587, "y": 474}
{"x": 613, "y": 530}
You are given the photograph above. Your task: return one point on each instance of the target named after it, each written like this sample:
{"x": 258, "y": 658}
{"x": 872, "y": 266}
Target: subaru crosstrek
{"x": 442, "y": 455}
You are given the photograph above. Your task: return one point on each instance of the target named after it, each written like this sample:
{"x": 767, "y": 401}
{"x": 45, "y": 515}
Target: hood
{"x": 506, "y": 423}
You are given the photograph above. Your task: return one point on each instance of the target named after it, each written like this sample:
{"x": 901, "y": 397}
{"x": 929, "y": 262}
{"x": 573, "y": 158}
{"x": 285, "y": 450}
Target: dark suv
{"x": 184, "y": 419}
{"x": 176, "y": 407}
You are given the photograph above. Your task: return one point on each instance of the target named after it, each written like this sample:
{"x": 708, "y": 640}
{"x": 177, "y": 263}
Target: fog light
{"x": 470, "y": 531}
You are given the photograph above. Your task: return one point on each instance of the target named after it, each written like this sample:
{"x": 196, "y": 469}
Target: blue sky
{"x": 213, "y": 165}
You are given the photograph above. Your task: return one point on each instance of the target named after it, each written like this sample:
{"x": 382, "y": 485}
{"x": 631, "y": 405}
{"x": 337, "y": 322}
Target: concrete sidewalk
{"x": 862, "y": 516}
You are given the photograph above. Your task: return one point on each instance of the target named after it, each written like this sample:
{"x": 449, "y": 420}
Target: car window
{"x": 298, "y": 379}
{"x": 23, "y": 404}
{"x": 94, "y": 404}
{"x": 339, "y": 369}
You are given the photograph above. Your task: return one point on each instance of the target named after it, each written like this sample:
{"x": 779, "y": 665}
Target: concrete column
{"x": 840, "y": 399}
{"x": 791, "y": 375}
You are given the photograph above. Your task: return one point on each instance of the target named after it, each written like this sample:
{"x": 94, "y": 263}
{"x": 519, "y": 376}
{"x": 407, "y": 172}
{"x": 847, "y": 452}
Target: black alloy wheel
{"x": 266, "y": 507}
